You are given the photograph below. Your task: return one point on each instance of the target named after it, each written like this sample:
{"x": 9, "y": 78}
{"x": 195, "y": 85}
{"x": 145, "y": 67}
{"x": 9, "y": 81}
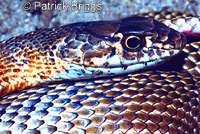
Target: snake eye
{"x": 132, "y": 43}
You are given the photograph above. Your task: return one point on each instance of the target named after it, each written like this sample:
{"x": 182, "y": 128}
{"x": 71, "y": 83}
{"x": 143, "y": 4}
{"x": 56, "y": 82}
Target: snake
{"x": 139, "y": 74}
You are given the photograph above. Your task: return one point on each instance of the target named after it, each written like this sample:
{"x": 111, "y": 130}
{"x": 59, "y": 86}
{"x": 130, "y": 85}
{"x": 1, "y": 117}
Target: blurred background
{"x": 22, "y": 16}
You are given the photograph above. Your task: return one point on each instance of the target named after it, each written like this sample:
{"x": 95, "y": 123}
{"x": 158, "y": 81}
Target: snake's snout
{"x": 170, "y": 38}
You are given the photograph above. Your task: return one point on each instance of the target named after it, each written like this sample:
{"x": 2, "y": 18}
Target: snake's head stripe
{"x": 85, "y": 50}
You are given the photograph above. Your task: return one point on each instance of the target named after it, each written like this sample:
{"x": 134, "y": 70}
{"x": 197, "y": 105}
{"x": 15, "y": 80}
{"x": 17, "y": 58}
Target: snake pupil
{"x": 132, "y": 42}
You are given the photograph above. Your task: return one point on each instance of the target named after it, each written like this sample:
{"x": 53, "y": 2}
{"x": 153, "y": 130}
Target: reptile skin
{"x": 163, "y": 99}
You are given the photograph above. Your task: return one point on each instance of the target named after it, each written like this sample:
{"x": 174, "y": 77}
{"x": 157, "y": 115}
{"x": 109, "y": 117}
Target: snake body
{"x": 76, "y": 57}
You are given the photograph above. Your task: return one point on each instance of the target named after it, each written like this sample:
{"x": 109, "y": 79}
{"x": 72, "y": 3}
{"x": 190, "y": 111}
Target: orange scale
{"x": 15, "y": 76}
{"x": 14, "y": 61}
{"x": 10, "y": 66}
{"x": 9, "y": 58}
{"x": 2, "y": 67}
{"x": 19, "y": 54}
{"x": 26, "y": 55}
{"x": 14, "y": 86}
{"x": 22, "y": 85}
{"x": 63, "y": 67}
{"x": 2, "y": 60}
{"x": 31, "y": 62}
{"x": 24, "y": 76}
{"x": 42, "y": 72}
{"x": 47, "y": 67}
{"x": 34, "y": 76}
{"x": 29, "y": 76}
{"x": 28, "y": 70}
{"x": 31, "y": 57}
{"x": 7, "y": 71}
{"x": 57, "y": 71}
{"x": 38, "y": 58}
{"x": 2, "y": 73}
{"x": 5, "y": 90}
{"x": 48, "y": 72}
{"x": 38, "y": 63}
{"x": 58, "y": 62}
{"x": 46, "y": 77}
{"x": 20, "y": 65}
{"x": 39, "y": 67}
{"x": 31, "y": 66}
{"x": 17, "y": 70}
{"x": 55, "y": 68}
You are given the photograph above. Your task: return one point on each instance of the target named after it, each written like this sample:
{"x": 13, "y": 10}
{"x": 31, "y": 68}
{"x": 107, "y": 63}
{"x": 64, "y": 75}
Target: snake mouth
{"x": 117, "y": 66}
{"x": 99, "y": 72}
{"x": 130, "y": 67}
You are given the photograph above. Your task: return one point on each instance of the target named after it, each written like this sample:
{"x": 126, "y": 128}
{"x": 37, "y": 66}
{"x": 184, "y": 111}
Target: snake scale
{"x": 102, "y": 77}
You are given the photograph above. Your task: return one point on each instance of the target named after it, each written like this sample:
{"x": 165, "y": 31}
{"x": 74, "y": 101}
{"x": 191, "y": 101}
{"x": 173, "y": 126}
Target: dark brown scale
{"x": 2, "y": 67}
{"x": 90, "y": 54}
{"x": 140, "y": 55}
{"x": 52, "y": 61}
{"x": 129, "y": 56}
{"x": 1, "y": 73}
{"x": 6, "y": 78}
{"x": 102, "y": 28}
{"x": 142, "y": 116}
{"x": 16, "y": 70}
{"x": 139, "y": 126}
{"x": 86, "y": 47}
{"x": 147, "y": 108}
{"x": 101, "y": 110}
{"x": 171, "y": 52}
{"x": 54, "y": 47}
{"x": 106, "y": 101}
{"x": 110, "y": 127}
{"x": 123, "y": 99}
{"x": 93, "y": 40}
{"x": 46, "y": 47}
{"x": 81, "y": 37}
{"x": 69, "y": 39}
{"x": 93, "y": 129}
{"x": 96, "y": 95}
{"x": 147, "y": 91}
{"x": 51, "y": 53}
{"x": 98, "y": 119}
{"x": 74, "y": 44}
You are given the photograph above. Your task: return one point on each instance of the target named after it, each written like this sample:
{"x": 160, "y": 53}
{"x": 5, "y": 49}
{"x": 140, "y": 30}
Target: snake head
{"x": 128, "y": 45}
{"x": 121, "y": 46}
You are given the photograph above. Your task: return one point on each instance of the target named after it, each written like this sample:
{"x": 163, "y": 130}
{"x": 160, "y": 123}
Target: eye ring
{"x": 132, "y": 42}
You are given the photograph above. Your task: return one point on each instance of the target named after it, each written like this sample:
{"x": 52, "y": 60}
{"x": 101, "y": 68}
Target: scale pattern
{"x": 159, "y": 102}
{"x": 147, "y": 101}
